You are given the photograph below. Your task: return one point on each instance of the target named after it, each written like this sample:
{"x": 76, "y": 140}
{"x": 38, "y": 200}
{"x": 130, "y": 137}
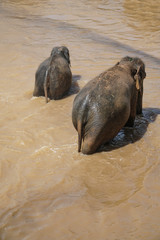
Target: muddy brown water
{"x": 47, "y": 189}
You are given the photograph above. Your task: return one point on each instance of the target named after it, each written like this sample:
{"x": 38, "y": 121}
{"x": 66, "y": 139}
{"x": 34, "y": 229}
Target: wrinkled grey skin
{"x": 107, "y": 103}
{"x": 53, "y": 77}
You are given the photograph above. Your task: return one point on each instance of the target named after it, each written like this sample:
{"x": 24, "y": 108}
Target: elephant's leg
{"x": 133, "y": 109}
{"x": 89, "y": 146}
{"x": 92, "y": 141}
{"x": 139, "y": 102}
{"x": 35, "y": 92}
{"x": 130, "y": 122}
{"x": 38, "y": 88}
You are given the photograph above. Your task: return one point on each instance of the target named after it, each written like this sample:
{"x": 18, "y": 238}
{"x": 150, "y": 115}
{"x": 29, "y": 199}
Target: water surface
{"x": 47, "y": 189}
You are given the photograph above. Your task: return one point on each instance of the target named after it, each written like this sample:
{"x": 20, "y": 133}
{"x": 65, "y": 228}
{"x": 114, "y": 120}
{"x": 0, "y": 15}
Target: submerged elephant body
{"x": 107, "y": 103}
{"x": 53, "y": 77}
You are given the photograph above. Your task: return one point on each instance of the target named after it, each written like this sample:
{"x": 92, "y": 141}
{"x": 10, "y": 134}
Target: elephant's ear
{"x": 137, "y": 79}
{"x": 136, "y": 74}
{"x": 66, "y": 55}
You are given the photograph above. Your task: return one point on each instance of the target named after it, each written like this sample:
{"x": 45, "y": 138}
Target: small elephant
{"x": 108, "y": 103}
{"x": 53, "y": 77}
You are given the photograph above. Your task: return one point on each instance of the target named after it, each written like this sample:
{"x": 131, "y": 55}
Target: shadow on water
{"x": 131, "y": 135}
{"x": 104, "y": 40}
{"x": 87, "y": 33}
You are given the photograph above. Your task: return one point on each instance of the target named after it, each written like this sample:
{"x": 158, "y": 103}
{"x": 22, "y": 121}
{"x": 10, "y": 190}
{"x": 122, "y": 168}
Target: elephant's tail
{"x": 46, "y": 85}
{"x": 79, "y": 129}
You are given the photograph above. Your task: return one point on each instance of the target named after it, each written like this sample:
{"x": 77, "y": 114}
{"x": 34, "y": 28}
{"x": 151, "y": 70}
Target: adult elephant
{"x": 107, "y": 103}
{"x": 53, "y": 77}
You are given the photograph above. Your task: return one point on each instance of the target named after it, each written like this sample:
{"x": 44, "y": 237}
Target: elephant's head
{"x": 137, "y": 70}
{"x": 62, "y": 51}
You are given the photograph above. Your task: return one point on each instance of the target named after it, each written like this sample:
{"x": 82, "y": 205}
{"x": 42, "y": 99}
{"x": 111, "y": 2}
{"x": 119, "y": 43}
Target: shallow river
{"x": 49, "y": 191}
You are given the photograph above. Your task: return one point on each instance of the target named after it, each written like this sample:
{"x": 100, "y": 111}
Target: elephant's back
{"x": 40, "y": 77}
{"x": 80, "y": 106}
{"x": 110, "y": 99}
{"x": 82, "y": 98}
{"x": 61, "y": 69}
{"x": 113, "y": 87}
{"x": 42, "y": 68}
{"x": 105, "y": 98}
{"x": 60, "y": 78}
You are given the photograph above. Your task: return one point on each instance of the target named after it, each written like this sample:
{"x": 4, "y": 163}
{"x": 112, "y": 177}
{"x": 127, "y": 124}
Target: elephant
{"x": 107, "y": 103}
{"x": 53, "y": 77}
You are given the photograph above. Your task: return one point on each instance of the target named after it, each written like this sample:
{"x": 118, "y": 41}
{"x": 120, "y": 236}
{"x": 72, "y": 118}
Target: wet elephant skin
{"x": 107, "y": 103}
